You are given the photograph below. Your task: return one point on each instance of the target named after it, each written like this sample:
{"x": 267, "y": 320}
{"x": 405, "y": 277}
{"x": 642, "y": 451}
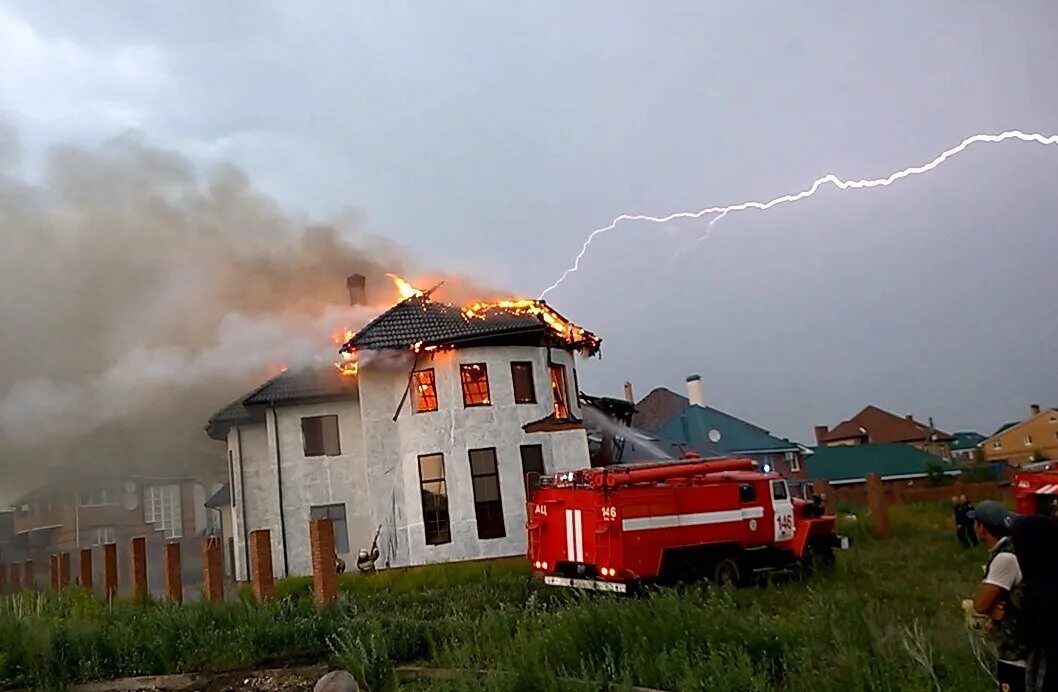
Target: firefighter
{"x": 365, "y": 560}
{"x": 996, "y": 605}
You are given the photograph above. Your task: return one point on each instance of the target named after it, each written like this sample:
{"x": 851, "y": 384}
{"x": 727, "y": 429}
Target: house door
{"x": 783, "y": 509}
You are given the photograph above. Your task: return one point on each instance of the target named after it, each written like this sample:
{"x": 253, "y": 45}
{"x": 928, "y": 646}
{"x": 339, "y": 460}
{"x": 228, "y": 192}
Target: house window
{"x": 1028, "y": 439}
{"x": 997, "y": 444}
{"x": 319, "y": 436}
{"x": 97, "y": 498}
{"x": 488, "y": 506}
{"x": 793, "y": 462}
{"x": 475, "y": 378}
{"x": 336, "y": 513}
{"x": 102, "y": 535}
{"x": 434, "y": 492}
{"x": 532, "y": 465}
{"x": 522, "y": 377}
{"x": 161, "y": 507}
{"x": 425, "y": 390}
{"x": 559, "y": 391}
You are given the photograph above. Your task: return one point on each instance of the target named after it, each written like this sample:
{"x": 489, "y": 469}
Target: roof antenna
{"x": 427, "y": 292}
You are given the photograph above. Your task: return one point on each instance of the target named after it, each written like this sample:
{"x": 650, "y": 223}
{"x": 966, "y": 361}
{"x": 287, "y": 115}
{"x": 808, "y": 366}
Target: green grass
{"x": 848, "y": 631}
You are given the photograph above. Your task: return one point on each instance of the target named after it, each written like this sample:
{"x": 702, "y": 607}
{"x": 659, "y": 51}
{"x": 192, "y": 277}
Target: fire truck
{"x": 1036, "y": 489}
{"x": 616, "y": 528}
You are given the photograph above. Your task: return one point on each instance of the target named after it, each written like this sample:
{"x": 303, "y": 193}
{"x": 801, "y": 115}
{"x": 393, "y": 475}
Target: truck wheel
{"x": 727, "y": 572}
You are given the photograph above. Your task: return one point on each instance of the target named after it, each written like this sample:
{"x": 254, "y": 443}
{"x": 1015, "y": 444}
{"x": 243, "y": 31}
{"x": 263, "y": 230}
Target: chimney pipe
{"x": 629, "y": 396}
{"x": 1034, "y": 409}
{"x": 821, "y": 432}
{"x": 357, "y": 287}
{"x": 694, "y": 390}
{"x": 909, "y": 418}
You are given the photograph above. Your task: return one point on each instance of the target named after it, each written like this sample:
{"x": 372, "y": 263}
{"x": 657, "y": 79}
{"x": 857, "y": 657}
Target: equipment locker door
{"x": 783, "y": 508}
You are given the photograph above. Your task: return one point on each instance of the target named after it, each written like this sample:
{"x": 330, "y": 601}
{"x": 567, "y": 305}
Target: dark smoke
{"x": 139, "y": 293}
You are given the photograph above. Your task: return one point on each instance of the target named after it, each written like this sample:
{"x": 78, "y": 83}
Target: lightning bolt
{"x": 816, "y": 185}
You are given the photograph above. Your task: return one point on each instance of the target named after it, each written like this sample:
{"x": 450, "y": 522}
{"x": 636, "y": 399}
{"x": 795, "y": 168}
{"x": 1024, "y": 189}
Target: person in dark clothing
{"x": 1035, "y": 540}
{"x": 964, "y": 524}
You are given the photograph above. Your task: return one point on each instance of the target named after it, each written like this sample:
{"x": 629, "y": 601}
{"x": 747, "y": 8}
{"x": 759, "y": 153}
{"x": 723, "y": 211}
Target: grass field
{"x": 887, "y": 619}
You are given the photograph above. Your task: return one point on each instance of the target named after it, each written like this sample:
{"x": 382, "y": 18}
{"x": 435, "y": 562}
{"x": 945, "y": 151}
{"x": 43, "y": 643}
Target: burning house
{"x": 428, "y": 428}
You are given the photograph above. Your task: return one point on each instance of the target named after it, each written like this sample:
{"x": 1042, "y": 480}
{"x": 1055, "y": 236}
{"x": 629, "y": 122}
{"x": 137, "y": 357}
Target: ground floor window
{"x": 336, "y": 513}
{"x": 532, "y": 465}
{"x": 488, "y": 507}
{"x": 434, "y": 493}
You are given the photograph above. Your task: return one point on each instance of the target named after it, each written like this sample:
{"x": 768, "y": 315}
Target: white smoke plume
{"x": 138, "y": 294}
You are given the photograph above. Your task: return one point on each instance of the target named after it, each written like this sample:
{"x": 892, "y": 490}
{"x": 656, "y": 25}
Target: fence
{"x": 162, "y": 569}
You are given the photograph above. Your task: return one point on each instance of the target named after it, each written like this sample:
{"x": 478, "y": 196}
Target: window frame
{"x": 525, "y": 472}
{"x": 793, "y": 462}
{"x": 447, "y": 516}
{"x": 561, "y": 385}
{"x": 528, "y": 366}
{"x": 105, "y": 497}
{"x": 328, "y": 509}
{"x": 492, "y": 507}
{"x": 323, "y": 436}
{"x": 468, "y": 367}
{"x": 417, "y": 394}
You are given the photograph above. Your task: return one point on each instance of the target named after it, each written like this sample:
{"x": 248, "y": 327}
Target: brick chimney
{"x": 821, "y": 432}
{"x": 357, "y": 287}
{"x": 1034, "y": 410}
{"x": 694, "y": 390}
{"x": 630, "y": 396}
{"x": 909, "y": 418}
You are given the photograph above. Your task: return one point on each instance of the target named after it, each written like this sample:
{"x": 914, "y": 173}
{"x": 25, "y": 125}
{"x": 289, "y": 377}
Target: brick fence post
{"x": 3, "y": 577}
{"x": 110, "y": 570}
{"x": 16, "y": 577}
{"x": 876, "y": 504}
{"x": 85, "y": 569}
{"x": 261, "y": 577}
{"x": 174, "y": 580}
{"x": 324, "y": 571}
{"x": 29, "y": 575}
{"x": 53, "y": 572}
{"x": 212, "y": 583}
{"x": 138, "y": 547}
{"x": 64, "y": 570}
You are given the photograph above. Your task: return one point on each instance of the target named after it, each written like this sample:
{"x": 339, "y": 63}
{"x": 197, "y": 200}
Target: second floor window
{"x": 319, "y": 434}
{"x": 793, "y": 462}
{"x": 475, "y": 379}
{"x": 1028, "y": 439}
{"x": 97, "y": 497}
{"x": 559, "y": 391}
{"x": 522, "y": 378}
{"x": 425, "y": 390}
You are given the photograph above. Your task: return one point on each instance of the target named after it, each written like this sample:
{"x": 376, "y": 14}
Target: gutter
{"x": 279, "y": 488}
{"x": 898, "y": 477}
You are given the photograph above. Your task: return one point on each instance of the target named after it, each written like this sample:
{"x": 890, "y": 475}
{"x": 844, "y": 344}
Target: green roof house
{"x": 850, "y": 464}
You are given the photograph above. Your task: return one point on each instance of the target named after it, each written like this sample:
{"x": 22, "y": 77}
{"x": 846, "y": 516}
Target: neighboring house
{"x": 894, "y": 462}
{"x": 710, "y": 432}
{"x": 1017, "y": 443}
{"x": 874, "y": 425}
{"x": 80, "y": 511}
{"x": 428, "y": 439}
{"x": 223, "y": 525}
{"x": 965, "y": 447}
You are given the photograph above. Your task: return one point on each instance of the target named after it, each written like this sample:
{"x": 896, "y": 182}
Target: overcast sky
{"x": 490, "y": 139}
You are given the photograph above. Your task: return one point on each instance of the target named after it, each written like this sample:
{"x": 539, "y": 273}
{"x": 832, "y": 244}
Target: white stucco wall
{"x": 376, "y": 476}
{"x": 393, "y": 448}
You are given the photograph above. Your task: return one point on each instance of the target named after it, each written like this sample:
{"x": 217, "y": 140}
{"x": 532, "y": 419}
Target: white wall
{"x": 392, "y": 449}
{"x": 254, "y": 495}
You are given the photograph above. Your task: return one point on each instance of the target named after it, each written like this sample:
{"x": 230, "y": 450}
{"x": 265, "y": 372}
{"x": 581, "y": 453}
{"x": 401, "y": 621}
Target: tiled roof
{"x": 854, "y": 462}
{"x": 966, "y": 440}
{"x": 879, "y": 426}
{"x": 724, "y": 432}
{"x": 421, "y": 320}
{"x": 324, "y": 382}
{"x": 658, "y": 407}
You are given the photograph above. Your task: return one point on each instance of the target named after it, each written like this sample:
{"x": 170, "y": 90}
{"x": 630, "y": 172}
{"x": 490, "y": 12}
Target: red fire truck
{"x": 611, "y": 529}
{"x": 1036, "y": 489}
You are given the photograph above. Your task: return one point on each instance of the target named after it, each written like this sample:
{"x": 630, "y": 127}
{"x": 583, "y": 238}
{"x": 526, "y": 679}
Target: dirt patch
{"x": 293, "y": 679}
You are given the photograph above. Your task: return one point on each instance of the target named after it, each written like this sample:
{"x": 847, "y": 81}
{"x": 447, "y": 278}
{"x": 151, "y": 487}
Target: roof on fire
{"x": 421, "y": 320}
{"x": 852, "y": 463}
